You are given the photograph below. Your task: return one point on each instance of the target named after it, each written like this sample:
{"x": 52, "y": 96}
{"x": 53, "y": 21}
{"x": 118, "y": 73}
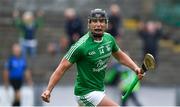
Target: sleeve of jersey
{"x": 115, "y": 47}
{"x": 73, "y": 54}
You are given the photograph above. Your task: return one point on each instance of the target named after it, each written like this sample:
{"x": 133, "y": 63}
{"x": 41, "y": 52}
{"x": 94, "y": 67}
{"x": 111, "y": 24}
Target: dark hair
{"x": 98, "y": 13}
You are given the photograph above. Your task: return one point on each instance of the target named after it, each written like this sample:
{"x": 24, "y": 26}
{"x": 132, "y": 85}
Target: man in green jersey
{"x": 91, "y": 54}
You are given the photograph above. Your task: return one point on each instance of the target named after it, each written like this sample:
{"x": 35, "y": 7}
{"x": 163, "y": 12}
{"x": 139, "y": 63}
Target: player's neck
{"x": 96, "y": 37}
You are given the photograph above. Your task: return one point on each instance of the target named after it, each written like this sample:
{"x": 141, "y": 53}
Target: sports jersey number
{"x": 101, "y": 51}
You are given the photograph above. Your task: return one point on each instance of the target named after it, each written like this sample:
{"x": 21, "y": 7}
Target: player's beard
{"x": 98, "y": 33}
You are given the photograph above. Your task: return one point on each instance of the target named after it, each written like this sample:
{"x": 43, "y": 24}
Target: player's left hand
{"x": 139, "y": 73}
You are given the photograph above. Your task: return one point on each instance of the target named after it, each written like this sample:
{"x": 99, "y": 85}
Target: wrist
{"x": 49, "y": 89}
{"x": 136, "y": 70}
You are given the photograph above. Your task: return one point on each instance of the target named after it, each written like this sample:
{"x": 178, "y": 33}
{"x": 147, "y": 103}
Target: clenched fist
{"x": 46, "y": 96}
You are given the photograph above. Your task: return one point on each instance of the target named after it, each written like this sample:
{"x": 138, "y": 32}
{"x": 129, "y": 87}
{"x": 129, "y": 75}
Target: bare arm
{"x": 58, "y": 73}
{"x": 125, "y": 60}
{"x": 6, "y": 78}
{"x": 28, "y": 77}
{"x": 55, "y": 77}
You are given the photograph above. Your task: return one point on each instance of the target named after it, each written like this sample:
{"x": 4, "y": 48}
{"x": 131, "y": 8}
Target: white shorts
{"x": 91, "y": 99}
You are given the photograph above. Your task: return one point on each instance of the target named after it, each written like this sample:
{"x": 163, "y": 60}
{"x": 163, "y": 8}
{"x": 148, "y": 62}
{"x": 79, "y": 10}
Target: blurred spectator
{"x": 127, "y": 78}
{"x": 114, "y": 28}
{"x": 113, "y": 73}
{"x": 52, "y": 48}
{"x": 122, "y": 76}
{"x": 28, "y": 26}
{"x": 150, "y": 33}
{"x": 63, "y": 43}
{"x": 15, "y": 70}
{"x": 61, "y": 46}
{"x": 115, "y": 22}
{"x": 73, "y": 25}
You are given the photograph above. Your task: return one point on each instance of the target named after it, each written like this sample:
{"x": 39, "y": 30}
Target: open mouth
{"x": 98, "y": 30}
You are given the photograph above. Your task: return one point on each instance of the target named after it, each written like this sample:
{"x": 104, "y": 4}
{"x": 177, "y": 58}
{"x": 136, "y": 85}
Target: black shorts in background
{"x": 16, "y": 84}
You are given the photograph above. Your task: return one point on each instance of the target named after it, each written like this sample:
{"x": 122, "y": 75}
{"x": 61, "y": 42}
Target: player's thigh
{"x": 106, "y": 101}
{"x": 91, "y": 99}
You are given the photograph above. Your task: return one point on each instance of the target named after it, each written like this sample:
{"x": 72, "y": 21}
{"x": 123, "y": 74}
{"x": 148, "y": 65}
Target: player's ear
{"x": 107, "y": 22}
{"x": 88, "y": 24}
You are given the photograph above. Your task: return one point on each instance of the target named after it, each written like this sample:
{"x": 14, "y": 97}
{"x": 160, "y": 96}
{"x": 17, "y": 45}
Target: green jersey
{"x": 91, "y": 58}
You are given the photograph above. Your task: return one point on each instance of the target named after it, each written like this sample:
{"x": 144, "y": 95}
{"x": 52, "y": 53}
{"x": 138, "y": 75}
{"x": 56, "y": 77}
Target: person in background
{"x": 58, "y": 47}
{"x": 73, "y": 25}
{"x": 28, "y": 26}
{"x": 122, "y": 77}
{"x": 115, "y": 29}
{"x": 15, "y": 71}
{"x": 150, "y": 33}
{"x": 115, "y": 22}
{"x": 126, "y": 79}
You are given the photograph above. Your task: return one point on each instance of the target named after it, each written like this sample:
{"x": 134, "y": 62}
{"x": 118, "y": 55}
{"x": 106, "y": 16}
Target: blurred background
{"x": 46, "y": 28}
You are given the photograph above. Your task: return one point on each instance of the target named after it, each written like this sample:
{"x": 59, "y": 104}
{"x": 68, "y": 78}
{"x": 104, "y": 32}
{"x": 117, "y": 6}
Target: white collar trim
{"x": 98, "y": 41}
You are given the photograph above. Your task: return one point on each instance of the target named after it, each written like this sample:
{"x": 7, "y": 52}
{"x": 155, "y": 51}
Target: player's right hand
{"x": 46, "y": 96}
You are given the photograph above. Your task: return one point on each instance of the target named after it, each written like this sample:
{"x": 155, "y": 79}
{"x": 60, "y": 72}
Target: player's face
{"x": 98, "y": 26}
